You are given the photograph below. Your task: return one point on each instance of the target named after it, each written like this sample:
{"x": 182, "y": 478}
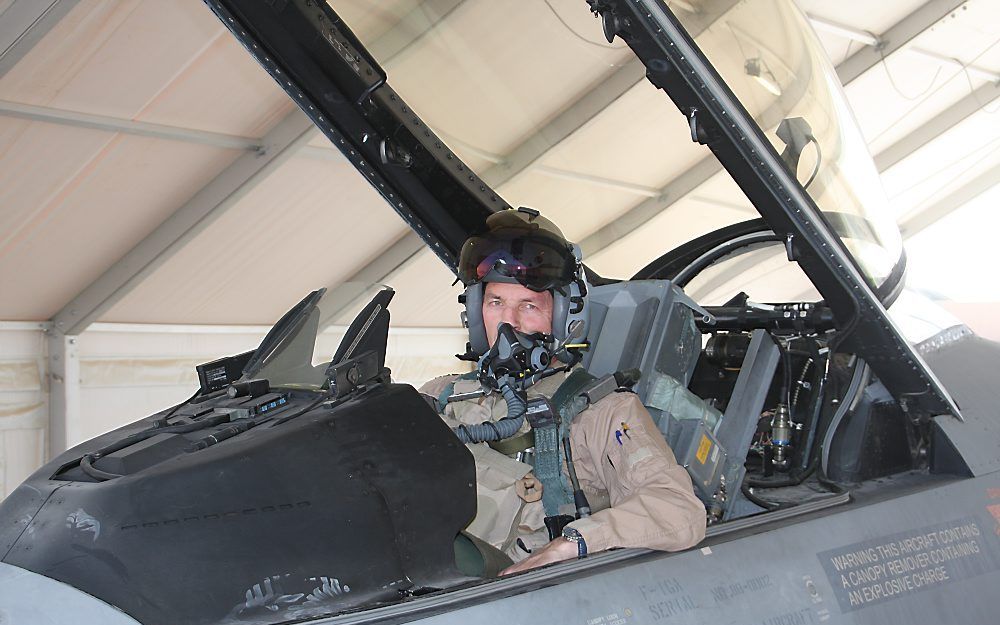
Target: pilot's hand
{"x": 556, "y": 551}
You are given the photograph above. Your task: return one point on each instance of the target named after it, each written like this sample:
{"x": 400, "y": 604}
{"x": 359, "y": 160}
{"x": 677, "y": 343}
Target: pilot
{"x": 526, "y": 292}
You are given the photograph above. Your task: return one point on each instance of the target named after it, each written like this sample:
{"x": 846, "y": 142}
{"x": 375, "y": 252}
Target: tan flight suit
{"x": 640, "y": 496}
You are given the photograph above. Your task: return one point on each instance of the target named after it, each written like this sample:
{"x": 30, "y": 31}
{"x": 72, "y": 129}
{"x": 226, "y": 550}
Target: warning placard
{"x": 871, "y": 572}
{"x": 703, "y": 448}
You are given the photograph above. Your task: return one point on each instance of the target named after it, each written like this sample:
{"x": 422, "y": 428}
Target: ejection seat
{"x": 650, "y": 325}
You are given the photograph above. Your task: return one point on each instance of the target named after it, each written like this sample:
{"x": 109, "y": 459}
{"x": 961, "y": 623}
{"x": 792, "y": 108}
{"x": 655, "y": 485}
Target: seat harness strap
{"x": 551, "y": 423}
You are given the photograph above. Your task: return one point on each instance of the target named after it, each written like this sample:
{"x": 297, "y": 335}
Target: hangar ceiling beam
{"x": 591, "y": 104}
{"x": 402, "y": 35}
{"x": 411, "y": 28}
{"x": 952, "y": 201}
{"x": 157, "y": 131}
{"x": 398, "y": 254}
{"x": 24, "y": 23}
{"x": 937, "y": 126}
{"x": 897, "y": 37}
{"x": 868, "y": 39}
{"x": 50, "y": 115}
{"x": 392, "y": 259}
{"x": 570, "y": 120}
{"x": 286, "y": 138}
{"x": 639, "y": 215}
{"x": 843, "y": 31}
{"x": 586, "y": 108}
{"x": 558, "y": 129}
{"x": 852, "y": 68}
{"x": 204, "y": 207}
{"x": 618, "y": 185}
{"x": 264, "y": 155}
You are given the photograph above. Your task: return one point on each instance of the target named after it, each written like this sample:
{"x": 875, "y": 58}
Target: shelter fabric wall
{"x": 24, "y": 411}
{"x": 121, "y": 381}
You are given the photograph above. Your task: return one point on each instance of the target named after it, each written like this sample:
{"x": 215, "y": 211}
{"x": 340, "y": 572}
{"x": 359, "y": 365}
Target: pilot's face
{"x": 526, "y": 310}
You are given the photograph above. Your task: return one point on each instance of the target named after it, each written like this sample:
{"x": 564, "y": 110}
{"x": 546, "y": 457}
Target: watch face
{"x": 574, "y": 536}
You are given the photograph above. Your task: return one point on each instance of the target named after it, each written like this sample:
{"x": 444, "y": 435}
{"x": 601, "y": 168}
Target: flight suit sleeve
{"x": 436, "y": 386}
{"x": 433, "y": 388}
{"x": 618, "y": 448}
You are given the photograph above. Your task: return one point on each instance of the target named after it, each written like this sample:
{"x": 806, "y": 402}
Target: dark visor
{"x": 532, "y": 260}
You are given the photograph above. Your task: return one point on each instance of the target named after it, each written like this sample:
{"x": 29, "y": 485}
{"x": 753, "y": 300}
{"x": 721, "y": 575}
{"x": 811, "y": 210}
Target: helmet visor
{"x": 536, "y": 262}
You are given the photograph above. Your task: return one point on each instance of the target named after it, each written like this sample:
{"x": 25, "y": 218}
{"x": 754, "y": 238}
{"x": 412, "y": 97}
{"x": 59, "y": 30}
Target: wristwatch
{"x": 573, "y": 535}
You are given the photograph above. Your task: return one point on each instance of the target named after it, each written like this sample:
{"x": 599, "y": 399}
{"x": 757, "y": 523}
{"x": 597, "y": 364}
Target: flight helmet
{"x": 522, "y": 247}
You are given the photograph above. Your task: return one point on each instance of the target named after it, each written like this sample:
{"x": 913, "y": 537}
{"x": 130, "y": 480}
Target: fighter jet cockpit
{"x": 300, "y": 481}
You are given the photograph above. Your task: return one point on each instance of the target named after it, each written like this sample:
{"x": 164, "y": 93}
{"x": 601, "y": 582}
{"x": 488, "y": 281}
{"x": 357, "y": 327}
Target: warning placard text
{"x": 871, "y": 572}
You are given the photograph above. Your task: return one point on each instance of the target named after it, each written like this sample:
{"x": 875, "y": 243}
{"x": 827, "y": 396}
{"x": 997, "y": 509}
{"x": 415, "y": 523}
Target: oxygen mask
{"x": 515, "y": 359}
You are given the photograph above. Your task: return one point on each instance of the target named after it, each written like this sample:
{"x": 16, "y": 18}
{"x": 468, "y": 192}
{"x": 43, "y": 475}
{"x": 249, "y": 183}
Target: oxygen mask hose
{"x": 489, "y": 431}
{"x": 511, "y": 364}
{"x": 517, "y": 403}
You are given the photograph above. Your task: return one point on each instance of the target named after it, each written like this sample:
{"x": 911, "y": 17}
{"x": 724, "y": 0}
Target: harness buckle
{"x": 541, "y": 413}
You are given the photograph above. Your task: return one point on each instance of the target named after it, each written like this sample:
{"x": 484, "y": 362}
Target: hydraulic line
{"x": 786, "y": 379}
{"x": 767, "y": 505}
{"x": 797, "y": 477}
{"x": 820, "y": 456}
{"x": 798, "y": 384}
{"x": 821, "y": 362}
{"x": 862, "y": 374}
{"x": 794, "y": 479}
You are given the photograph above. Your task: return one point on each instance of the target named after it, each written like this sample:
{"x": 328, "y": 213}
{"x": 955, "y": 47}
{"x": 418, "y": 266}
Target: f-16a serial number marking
{"x": 733, "y": 590}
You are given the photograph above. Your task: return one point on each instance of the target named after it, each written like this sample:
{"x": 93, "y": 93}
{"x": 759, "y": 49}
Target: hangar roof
{"x": 151, "y": 172}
